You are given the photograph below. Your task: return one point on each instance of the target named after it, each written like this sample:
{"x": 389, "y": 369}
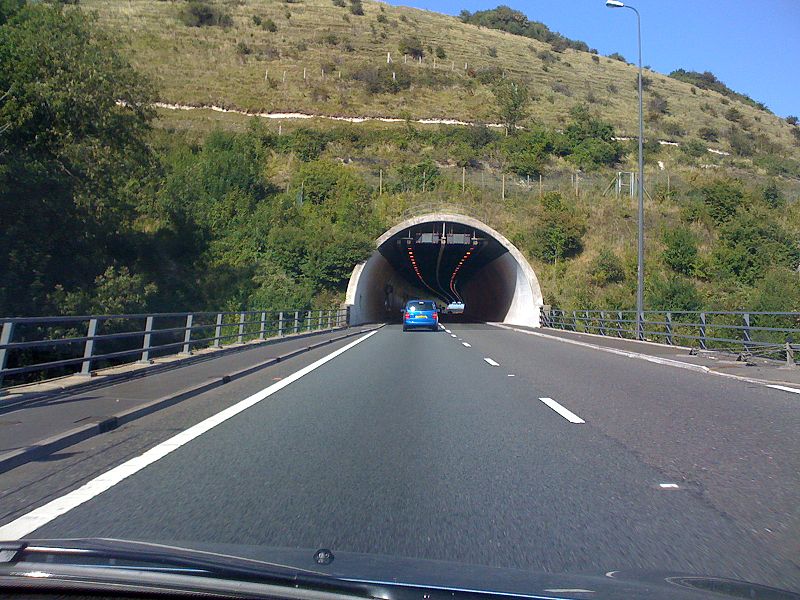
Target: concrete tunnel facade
{"x": 488, "y": 273}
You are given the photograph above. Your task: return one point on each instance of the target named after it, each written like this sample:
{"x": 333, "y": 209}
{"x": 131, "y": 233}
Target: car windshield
{"x": 501, "y": 286}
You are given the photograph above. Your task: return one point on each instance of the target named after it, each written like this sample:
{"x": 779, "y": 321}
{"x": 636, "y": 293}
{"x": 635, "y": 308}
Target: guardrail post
{"x": 280, "y": 324}
{"x": 703, "y": 330}
{"x": 602, "y": 322}
{"x": 5, "y": 338}
{"x": 319, "y": 316}
{"x": 669, "y": 328}
{"x": 619, "y": 323}
{"x": 88, "y": 348}
{"x": 586, "y": 322}
{"x": 297, "y": 321}
{"x": 240, "y": 337}
{"x": 148, "y": 329}
{"x": 640, "y": 325}
{"x": 187, "y": 335}
{"x": 574, "y": 320}
{"x": 790, "y": 354}
{"x": 262, "y": 326}
{"x": 218, "y": 332}
{"x": 746, "y": 330}
{"x": 308, "y": 320}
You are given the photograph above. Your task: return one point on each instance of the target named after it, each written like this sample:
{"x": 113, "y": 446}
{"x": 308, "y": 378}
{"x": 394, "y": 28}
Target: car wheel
{"x": 405, "y": 328}
{"x": 435, "y": 328}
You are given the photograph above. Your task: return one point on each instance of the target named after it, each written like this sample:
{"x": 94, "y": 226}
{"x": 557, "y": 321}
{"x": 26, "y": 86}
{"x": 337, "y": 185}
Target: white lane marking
{"x": 39, "y": 517}
{"x": 491, "y": 362}
{"x": 453, "y": 335}
{"x": 669, "y": 486}
{"x": 567, "y": 414}
{"x": 447, "y": 330}
{"x": 784, "y": 388}
{"x": 511, "y": 375}
{"x": 466, "y": 345}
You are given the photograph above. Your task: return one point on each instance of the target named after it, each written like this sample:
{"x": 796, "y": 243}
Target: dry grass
{"x": 202, "y": 66}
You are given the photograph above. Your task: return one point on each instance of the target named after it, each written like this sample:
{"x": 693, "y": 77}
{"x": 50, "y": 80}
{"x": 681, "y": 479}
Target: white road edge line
{"x": 785, "y": 388}
{"x": 466, "y": 345}
{"x": 567, "y": 414}
{"x": 647, "y": 357}
{"x": 491, "y": 362}
{"x": 30, "y": 522}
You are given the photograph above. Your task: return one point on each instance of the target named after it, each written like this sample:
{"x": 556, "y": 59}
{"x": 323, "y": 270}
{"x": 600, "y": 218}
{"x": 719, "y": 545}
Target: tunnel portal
{"x": 447, "y": 258}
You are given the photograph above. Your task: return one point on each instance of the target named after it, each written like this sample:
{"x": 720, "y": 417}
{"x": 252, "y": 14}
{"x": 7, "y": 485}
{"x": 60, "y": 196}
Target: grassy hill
{"x": 344, "y": 55}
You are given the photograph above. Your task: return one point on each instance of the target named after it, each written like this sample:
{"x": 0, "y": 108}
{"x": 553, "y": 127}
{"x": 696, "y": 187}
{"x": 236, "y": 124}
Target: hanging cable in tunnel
{"x": 415, "y": 266}
{"x": 457, "y": 269}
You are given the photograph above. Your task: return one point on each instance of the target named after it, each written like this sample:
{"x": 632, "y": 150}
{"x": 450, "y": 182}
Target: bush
{"x": 708, "y": 134}
{"x": 492, "y": 51}
{"x": 694, "y": 148}
{"x": 378, "y": 80}
{"x": 203, "y": 14}
{"x": 778, "y": 291}
{"x": 741, "y": 142}
{"x": 672, "y": 293}
{"x": 606, "y": 268}
{"x": 423, "y": 176}
{"x": 658, "y": 105}
{"x": 382, "y": 18}
{"x": 561, "y": 88}
{"x": 734, "y": 115}
{"x": 559, "y": 231}
{"x": 772, "y": 195}
{"x": 307, "y": 144}
{"x": 618, "y": 56}
{"x": 339, "y": 3}
{"x": 269, "y": 25}
{"x": 242, "y": 49}
{"x": 440, "y": 53}
{"x": 356, "y": 8}
{"x": 257, "y": 20}
{"x": 680, "y": 253}
{"x": 792, "y": 120}
{"x": 722, "y": 198}
{"x": 779, "y": 166}
{"x": 593, "y": 153}
{"x": 672, "y": 129}
{"x": 412, "y": 46}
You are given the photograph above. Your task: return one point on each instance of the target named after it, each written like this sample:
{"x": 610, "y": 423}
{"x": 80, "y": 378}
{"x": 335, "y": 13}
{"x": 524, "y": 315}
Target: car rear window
{"x": 421, "y": 305}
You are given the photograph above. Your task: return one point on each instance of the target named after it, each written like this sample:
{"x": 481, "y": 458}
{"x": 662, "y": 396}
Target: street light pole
{"x": 640, "y": 262}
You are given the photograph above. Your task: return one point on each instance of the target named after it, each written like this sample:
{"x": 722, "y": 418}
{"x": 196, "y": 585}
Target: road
{"x": 439, "y": 445}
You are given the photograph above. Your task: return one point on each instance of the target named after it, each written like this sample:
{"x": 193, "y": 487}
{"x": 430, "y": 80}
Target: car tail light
{"x": 435, "y": 316}
{"x": 407, "y": 316}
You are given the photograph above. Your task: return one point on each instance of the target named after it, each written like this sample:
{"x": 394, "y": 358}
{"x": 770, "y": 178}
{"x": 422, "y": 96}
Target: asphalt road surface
{"x": 481, "y": 445}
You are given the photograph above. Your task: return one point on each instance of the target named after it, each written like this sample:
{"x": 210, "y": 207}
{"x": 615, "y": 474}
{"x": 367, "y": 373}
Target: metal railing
{"x": 31, "y": 346}
{"x": 767, "y": 334}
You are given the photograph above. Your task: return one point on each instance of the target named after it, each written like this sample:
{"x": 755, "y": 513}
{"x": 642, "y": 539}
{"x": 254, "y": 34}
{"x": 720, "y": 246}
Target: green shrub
{"x": 440, "y": 53}
{"x": 618, "y": 56}
{"x": 356, "y": 8}
{"x": 778, "y": 165}
{"x": 694, "y": 148}
{"x": 423, "y": 176}
{"x": 778, "y": 291}
{"x": 492, "y": 51}
{"x": 606, "y": 268}
{"x": 733, "y": 114}
{"x": 378, "y": 80}
{"x": 412, "y": 46}
{"x": 741, "y": 142}
{"x": 269, "y": 25}
{"x": 594, "y": 153}
{"x": 772, "y": 195}
{"x": 722, "y": 198}
{"x": 339, "y": 3}
{"x": 558, "y": 233}
{"x": 242, "y": 49}
{"x": 708, "y": 134}
{"x": 672, "y": 293}
{"x": 680, "y": 253}
{"x": 203, "y": 14}
{"x": 381, "y": 18}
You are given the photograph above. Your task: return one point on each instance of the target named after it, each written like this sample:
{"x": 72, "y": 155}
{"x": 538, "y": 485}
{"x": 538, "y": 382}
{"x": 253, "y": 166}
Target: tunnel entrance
{"x": 447, "y": 258}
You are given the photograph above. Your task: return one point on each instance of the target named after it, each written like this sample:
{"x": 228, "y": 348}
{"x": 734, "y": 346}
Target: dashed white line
{"x": 448, "y": 331}
{"x": 453, "y": 335}
{"x": 511, "y": 375}
{"x": 30, "y": 522}
{"x": 784, "y": 388}
{"x": 466, "y": 345}
{"x": 567, "y": 414}
{"x": 491, "y": 362}
{"x": 669, "y": 486}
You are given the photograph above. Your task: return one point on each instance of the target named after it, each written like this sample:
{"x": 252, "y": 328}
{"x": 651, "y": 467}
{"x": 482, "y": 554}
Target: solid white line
{"x": 491, "y": 362}
{"x": 35, "y": 519}
{"x": 567, "y": 414}
{"x": 466, "y": 345}
{"x": 784, "y": 388}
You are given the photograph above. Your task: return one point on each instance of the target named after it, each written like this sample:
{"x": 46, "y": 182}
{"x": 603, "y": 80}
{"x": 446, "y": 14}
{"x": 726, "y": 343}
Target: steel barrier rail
{"x": 725, "y": 330}
{"x": 30, "y": 345}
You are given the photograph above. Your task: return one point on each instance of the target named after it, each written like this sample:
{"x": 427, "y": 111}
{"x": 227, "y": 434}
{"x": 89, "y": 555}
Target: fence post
{"x": 574, "y": 320}
{"x": 308, "y": 320}
{"x": 148, "y": 329}
{"x": 297, "y": 321}
{"x": 187, "y": 335}
{"x": 746, "y": 330}
{"x": 586, "y": 322}
{"x": 669, "y": 328}
{"x": 703, "y": 330}
{"x": 262, "y": 326}
{"x": 5, "y": 338}
{"x": 602, "y": 322}
{"x": 640, "y": 325}
{"x": 88, "y": 348}
{"x": 240, "y": 337}
{"x": 218, "y": 332}
{"x": 319, "y": 317}
{"x": 619, "y": 323}
{"x": 790, "y": 353}
{"x": 280, "y": 324}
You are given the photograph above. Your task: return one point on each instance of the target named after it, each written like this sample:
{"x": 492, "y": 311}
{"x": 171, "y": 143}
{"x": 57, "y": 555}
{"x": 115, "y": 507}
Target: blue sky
{"x": 753, "y": 46}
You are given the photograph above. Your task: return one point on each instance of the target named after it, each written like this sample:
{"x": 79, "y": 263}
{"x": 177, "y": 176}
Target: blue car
{"x": 420, "y": 314}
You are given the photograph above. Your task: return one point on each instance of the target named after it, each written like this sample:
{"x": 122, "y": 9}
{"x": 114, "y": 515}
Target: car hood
{"x": 390, "y": 572}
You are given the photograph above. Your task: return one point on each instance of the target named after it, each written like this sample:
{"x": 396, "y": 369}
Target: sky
{"x": 753, "y": 46}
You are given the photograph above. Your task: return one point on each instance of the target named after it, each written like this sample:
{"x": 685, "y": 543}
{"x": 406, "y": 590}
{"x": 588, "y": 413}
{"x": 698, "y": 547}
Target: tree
{"x": 512, "y": 102}
{"x": 559, "y": 231}
{"x": 680, "y": 253}
{"x": 672, "y": 293}
{"x": 75, "y": 116}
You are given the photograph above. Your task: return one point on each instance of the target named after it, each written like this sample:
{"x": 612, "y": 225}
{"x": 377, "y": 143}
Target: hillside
{"x": 247, "y": 66}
